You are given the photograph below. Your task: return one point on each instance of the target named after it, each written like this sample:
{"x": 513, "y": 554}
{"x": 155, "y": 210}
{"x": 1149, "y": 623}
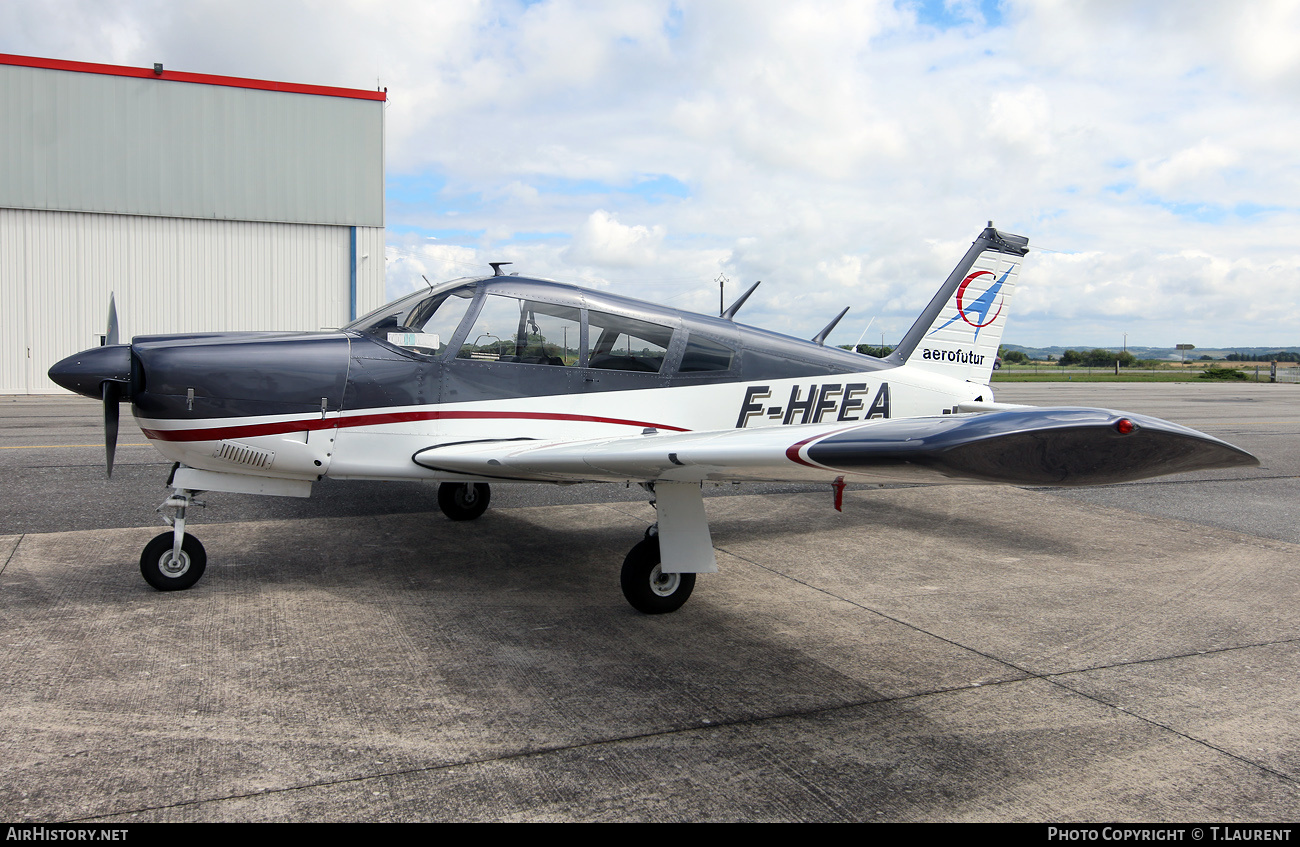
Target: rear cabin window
{"x": 616, "y": 343}
{"x": 526, "y": 332}
{"x": 705, "y": 354}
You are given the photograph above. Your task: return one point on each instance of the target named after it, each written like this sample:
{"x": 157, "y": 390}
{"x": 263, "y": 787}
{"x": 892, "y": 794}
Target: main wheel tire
{"x": 647, "y": 587}
{"x": 463, "y": 501}
{"x": 166, "y": 572}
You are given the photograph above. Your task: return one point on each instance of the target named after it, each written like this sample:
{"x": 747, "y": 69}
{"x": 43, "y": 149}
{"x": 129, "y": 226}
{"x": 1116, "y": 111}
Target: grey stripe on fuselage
{"x": 269, "y": 374}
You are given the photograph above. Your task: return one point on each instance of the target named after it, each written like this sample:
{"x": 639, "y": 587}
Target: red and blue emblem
{"x": 982, "y": 309}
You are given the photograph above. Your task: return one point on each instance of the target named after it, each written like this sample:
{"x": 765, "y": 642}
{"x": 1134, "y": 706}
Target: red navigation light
{"x": 1124, "y": 426}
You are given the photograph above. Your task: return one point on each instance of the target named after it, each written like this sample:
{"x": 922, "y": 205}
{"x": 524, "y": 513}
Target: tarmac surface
{"x": 950, "y": 653}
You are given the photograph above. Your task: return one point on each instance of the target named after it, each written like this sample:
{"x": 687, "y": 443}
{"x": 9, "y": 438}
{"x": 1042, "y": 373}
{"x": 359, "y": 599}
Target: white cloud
{"x": 840, "y": 151}
{"x": 1172, "y": 175}
{"x": 603, "y": 241}
{"x": 1022, "y": 120}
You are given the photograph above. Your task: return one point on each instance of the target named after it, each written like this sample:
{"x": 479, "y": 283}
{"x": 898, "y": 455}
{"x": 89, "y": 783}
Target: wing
{"x": 1019, "y": 446}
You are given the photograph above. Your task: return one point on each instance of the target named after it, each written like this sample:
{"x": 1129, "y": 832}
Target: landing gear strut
{"x": 174, "y": 560}
{"x": 680, "y": 533}
{"x": 463, "y": 501}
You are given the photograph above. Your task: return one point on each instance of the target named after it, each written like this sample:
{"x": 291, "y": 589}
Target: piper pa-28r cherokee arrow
{"x": 511, "y": 379}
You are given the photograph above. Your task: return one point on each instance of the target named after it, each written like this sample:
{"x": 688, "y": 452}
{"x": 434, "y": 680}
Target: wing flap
{"x": 1032, "y": 446}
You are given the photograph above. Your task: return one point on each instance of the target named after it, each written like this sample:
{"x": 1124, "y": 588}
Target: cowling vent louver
{"x": 243, "y": 454}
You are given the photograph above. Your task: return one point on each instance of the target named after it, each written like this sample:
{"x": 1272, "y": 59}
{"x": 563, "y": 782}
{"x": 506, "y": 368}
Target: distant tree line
{"x": 1280, "y": 356}
{"x": 1098, "y": 358}
{"x": 868, "y": 350}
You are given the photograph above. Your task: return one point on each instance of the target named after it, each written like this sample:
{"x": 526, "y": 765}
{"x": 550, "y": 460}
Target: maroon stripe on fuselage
{"x": 792, "y": 452}
{"x": 218, "y": 433}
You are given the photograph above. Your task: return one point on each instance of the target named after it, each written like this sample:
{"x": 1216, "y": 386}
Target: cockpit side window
{"x": 423, "y": 322}
{"x": 617, "y": 343}
{"x": 526, "y": 332}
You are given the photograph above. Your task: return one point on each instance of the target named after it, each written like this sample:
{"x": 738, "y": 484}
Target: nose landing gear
{"x": 175, "y": 560}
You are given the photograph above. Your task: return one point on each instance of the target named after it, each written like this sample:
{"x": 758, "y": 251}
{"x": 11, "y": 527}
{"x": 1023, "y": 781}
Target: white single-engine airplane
{"x": 509, "y": 379}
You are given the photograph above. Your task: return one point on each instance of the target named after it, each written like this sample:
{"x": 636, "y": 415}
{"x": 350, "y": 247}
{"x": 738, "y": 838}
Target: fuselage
{"x": 493, "y": 359}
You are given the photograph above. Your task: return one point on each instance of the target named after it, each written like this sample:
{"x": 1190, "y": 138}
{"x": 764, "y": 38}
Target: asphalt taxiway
{"x": 949, "y": 653}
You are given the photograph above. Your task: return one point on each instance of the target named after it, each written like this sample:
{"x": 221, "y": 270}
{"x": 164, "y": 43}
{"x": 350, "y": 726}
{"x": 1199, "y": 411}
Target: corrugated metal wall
{"x": 170, "y": 275}
{"x": 99, "y": 143}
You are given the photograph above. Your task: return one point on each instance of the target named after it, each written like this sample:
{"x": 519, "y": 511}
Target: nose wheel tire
{"x": 647, "y": 587}
{"x": 463, "y": 501}
{"x": 166, "y": 571}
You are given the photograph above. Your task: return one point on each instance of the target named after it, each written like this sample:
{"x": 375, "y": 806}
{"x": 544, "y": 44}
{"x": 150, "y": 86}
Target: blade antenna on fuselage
{"x": 820, "y": 338}
{"x": 740, "y": 301}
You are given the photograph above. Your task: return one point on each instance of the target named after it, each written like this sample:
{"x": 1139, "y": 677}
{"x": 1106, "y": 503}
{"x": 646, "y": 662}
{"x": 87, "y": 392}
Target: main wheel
{"x": 167, "y": 572}
{"x": 647, "y": 587}
{"x": 463, "y": 501}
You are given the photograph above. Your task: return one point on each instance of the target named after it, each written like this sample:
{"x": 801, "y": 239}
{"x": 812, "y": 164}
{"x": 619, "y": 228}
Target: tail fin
{"x": 959, "y": 332}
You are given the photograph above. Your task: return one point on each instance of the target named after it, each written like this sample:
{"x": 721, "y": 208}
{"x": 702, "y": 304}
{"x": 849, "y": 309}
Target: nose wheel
{"x": 169, "y": 570}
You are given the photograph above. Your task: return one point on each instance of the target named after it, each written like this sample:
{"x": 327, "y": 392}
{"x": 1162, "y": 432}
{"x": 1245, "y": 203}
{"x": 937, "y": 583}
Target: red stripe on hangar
{"x": 185, "y": 76}
{"x": 312, "y": 424}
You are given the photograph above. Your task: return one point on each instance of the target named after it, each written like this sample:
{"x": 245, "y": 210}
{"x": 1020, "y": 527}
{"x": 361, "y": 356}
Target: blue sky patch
{"x": 1252, "y": 210}
{"x": 451, "y": 236}
{"x": 427, "y": 192}
{"x": 651, "y": 187}
{"x": 950, "y": 15}
{"x": 1206, "y": 213}
{"x": 413, "y": 188}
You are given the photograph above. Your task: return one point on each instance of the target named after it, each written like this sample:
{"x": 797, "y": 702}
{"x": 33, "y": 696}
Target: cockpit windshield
{"x": 423, "y": 322}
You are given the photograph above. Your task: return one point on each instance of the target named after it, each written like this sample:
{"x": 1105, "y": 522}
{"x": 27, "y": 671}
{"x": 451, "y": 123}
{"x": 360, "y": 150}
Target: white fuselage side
{"x": 379, "y": 443}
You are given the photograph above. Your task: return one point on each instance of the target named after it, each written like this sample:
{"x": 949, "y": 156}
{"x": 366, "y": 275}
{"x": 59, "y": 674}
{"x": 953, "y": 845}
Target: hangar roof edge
{"x": 182, "y": 76}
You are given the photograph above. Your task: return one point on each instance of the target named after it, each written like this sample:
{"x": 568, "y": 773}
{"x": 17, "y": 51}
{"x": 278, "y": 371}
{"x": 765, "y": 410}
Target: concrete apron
{"x": 951, "y": 653}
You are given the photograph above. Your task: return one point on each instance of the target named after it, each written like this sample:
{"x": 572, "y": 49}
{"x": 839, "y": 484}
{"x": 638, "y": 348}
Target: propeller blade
{"x": 112, "y": 396}
{"x": 110, "y": 335}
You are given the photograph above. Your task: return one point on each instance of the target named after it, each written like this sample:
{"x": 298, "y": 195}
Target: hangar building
{"x": 204, "y": 203}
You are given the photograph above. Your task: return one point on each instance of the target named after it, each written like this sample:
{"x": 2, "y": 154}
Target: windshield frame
{"x": 404, "y": 306}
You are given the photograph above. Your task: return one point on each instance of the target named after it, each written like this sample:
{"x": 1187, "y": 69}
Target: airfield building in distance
{"x": 204, "y": 203}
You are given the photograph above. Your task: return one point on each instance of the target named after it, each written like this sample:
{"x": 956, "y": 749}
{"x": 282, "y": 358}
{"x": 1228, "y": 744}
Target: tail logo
{"x": 976, "y": 311}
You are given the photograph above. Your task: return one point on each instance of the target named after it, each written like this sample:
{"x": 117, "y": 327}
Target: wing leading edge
{"x": 1032, "y": 446}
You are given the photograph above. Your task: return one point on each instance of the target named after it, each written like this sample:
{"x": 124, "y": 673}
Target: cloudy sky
{"x": 843, "y": 153}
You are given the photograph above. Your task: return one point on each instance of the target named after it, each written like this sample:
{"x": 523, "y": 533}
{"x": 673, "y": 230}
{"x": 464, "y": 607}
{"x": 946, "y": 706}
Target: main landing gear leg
{"x": 174, "y": 560}
{"x": 683, "y": 531}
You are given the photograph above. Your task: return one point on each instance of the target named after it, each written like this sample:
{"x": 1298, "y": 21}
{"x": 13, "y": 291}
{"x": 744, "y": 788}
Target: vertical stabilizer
{"x": 959, "y": 332}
